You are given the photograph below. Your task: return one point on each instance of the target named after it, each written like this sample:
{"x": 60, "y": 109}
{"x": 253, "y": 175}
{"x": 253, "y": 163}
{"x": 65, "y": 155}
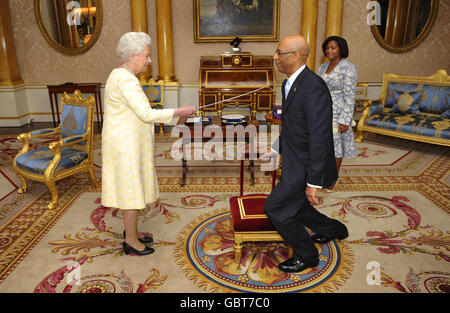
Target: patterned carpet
{"x": 394, "y": 198}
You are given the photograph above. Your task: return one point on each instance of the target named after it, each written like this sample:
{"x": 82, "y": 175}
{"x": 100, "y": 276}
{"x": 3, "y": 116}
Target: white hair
{"x": 132, "y": 43}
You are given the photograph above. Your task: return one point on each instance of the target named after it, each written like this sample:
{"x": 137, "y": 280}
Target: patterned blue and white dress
{"x": 342, "y": 85}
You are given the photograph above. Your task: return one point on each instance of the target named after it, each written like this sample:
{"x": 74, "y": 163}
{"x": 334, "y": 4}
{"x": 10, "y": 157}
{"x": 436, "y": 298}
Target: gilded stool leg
{"x": 24, "y": 184}
{"x": 54, "y": 192}
{"x": 237, "y": 253}
{"x": 237, "y": 249}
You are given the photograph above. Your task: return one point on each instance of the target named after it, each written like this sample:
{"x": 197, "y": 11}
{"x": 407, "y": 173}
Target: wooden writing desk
{"x": 229, "y": 75}
{"x": 70, "y": 88}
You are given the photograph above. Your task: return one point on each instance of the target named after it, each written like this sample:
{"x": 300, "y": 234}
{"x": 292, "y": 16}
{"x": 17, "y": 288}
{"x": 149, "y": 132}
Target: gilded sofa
{"x": 410, "y": 107}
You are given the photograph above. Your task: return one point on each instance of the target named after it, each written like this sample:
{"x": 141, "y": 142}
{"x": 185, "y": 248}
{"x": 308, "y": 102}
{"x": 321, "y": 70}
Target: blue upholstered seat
{"x": 415, "y": 124}
{"x": 37, "y": 161}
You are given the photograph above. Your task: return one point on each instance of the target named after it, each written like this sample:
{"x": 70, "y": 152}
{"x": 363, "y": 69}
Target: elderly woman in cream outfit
{"x": 129, "y": 179}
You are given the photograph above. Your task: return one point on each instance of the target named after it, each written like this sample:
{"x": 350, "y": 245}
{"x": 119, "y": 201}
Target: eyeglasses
{"x": 284, "y": 52}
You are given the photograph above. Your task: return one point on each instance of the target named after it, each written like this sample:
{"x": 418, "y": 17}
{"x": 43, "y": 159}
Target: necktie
{"x": 286, "y": 88}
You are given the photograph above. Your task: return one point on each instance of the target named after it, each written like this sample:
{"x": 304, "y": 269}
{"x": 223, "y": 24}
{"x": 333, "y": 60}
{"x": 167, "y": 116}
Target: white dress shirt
{"x": 291, "y": 79}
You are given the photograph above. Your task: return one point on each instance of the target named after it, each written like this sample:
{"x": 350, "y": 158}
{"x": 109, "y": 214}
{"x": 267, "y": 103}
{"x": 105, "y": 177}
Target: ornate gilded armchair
{"x": 155, "y": 94}
{"x": 71, "y": 154}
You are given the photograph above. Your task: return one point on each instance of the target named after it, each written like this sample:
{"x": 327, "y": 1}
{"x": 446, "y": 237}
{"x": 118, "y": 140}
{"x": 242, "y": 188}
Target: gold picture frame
{"x": 250, "y": 20}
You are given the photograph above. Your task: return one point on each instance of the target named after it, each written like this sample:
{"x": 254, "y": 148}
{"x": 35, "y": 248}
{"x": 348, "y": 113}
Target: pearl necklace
{"x": 127, "y": 68}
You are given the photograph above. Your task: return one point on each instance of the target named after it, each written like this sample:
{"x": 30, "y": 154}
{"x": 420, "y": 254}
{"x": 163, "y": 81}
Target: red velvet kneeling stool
{"x": 249, "y": 222}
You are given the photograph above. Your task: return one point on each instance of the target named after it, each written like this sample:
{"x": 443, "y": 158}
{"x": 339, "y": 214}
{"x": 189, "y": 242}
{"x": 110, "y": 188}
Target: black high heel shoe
{"x": 127, "y": 249}
{"x": 141, "y": 240}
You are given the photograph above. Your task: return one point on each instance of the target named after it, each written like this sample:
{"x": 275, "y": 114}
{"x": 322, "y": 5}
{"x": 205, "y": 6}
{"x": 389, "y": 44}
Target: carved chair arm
{"x": 56, "y": 147}
{"x": 73, "y": 140}
{"x": 26, "y": 137}
{"x": 371, "y": 107}
{"x": 45, "y": 132}
{"x": 67, "y": 142}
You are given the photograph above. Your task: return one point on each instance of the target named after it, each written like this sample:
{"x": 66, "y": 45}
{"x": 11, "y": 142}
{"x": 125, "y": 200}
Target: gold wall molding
{"x": 309, "y": 29}
{"x": 9, "y": 69}
{"x": 139, "y": 23}
{"x": 335, "y": 13}
{"x": 139, "y": 16}
{"x": 165, "y": 41}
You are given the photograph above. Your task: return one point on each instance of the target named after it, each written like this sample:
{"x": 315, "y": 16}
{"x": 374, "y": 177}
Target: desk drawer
{"x": 208, "y": 98}
{"x": 247, "y": 99}
{"x": 264, "y": 101}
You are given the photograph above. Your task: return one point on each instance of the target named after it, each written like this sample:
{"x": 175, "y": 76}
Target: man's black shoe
{"x": 322, "y": 239}
{"x": 294, "y": 265}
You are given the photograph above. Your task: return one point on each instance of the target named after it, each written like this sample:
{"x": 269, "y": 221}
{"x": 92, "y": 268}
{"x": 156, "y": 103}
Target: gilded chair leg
{"x": 359, "y": 137}
{"x": 24, "y": 185}
{"x": 54, "y": 192}
{"x": 92, "y": 177}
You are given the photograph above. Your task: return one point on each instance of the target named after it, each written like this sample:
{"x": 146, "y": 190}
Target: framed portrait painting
{"x": 224, "y": 20}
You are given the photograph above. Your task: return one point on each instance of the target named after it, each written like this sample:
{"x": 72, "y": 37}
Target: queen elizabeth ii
{"x": 129, "y": 179}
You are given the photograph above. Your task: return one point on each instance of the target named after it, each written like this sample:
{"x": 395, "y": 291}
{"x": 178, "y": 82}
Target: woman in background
{"x": 340, "y": 76}
{"x": 129, "y": 179}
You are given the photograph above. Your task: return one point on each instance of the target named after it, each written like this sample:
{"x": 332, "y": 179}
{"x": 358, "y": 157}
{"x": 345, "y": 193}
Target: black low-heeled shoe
{"x": 129, "y": 249}
{"x": 141, "y": 240}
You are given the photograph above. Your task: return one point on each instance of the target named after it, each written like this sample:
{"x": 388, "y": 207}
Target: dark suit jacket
{"x": 306, "y": 139}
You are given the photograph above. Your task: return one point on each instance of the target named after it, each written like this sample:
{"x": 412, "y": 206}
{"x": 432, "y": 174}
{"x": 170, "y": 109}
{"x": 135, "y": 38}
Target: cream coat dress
{"x": 129, "y": 179}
